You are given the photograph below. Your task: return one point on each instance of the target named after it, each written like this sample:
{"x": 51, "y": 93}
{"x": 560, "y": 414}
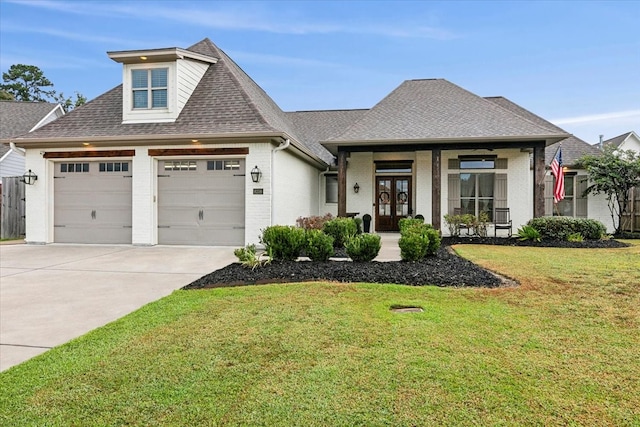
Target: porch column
{"x": 342, "y": 183}
{"x": 538, "y": 179}
{"x": 436, "y": 182}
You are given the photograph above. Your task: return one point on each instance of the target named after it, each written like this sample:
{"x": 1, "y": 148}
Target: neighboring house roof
{"x": 321, "y": 125}
{"x": 572, "y": 147}
{"x": 18, "y": 118}
{"x": 226, "y": 102}
{"x": 436, "y": 109}
{"x": 616, "y": 141}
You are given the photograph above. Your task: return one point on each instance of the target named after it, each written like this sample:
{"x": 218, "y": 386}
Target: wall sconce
{"x": 29, "y": 178}
{"x": 256, "y": 174}
{"x": 356, "y": 188}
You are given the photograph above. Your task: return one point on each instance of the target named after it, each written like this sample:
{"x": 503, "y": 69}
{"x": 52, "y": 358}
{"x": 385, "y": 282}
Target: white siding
{"x": 189, "y": 75}
{"x": 631, "y": 143}
{"x": 12, "y": 164}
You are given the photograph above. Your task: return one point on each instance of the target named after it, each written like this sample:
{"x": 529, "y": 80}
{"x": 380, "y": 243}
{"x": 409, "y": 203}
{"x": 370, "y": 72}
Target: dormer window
{"x": 157, "y": 83}
{"x": 149, "y": 88}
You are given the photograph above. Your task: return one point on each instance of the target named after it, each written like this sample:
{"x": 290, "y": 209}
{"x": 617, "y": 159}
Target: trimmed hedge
{"x": 417, "y": 239}
{"x": 561, "y": 227}
{"x": 341, "y": 229}
{"x": 283, "y": 242}
{"x": 319, "y": 245}
{"x": 363, "y": 247}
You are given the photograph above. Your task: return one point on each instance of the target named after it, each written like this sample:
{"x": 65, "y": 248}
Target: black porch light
{"x": 356, "y": 188}
{"x": 29, "y": 178}
{"x": 256, "y": 174}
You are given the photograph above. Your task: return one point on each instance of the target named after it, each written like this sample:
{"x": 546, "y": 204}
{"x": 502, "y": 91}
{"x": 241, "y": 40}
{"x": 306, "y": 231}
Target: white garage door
{"x": 201, "y": 202}
{"x": 92, "y": 202}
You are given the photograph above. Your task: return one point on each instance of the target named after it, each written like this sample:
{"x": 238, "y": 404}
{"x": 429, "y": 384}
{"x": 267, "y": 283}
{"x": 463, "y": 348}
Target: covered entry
{"x": 201, "y": 202}
{"x": 92, "y": 201}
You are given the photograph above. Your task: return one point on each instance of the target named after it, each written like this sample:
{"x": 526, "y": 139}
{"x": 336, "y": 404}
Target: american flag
{"x": 558, "y": 173}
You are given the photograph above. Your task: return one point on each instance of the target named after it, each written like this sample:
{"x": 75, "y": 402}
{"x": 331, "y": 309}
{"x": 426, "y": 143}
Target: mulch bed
{"x": 443, "y": 269}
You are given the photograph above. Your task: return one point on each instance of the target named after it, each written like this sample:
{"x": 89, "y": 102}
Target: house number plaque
{"x": 258, "y": 191}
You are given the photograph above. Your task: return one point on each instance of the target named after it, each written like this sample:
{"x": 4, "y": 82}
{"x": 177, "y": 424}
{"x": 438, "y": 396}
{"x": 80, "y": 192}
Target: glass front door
{"x": 393, "y": 202}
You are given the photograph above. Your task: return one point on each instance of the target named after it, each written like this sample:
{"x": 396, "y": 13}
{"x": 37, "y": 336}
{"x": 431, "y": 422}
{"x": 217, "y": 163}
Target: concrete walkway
{"x": 54, "y": 293}
{"x": 389, "y": 250}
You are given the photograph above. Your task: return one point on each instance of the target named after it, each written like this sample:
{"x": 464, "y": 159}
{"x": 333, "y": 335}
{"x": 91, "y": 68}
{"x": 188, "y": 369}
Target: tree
{"x": 28, "y": 83}
{"x": 613, "y": 173}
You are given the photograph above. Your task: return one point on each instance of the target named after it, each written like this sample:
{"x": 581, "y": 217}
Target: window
{"x": 331, "y": 189}
{"x": 180, "y": 165}
{"x": 401, "y": 167}
{"x": 226, "y": 165}
{"x": 114, "y": 167}
{"x": 149, "y": 88}
{"x": 477, "y": 162}
{"x": 74, "y": 167}
{"x": 565, "y": 207}
{"x": 476, "y": 193}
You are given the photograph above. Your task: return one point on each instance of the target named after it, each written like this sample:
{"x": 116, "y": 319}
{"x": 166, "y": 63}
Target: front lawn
{"x": 561, "y": 349}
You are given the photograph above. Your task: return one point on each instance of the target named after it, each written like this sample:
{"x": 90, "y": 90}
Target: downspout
{"x": 18, "y": 150}
{"x": 283, "y": 146}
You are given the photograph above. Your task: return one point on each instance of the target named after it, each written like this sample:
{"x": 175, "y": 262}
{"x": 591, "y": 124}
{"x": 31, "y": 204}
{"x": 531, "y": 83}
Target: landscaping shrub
{"x": 341, "y": 229}
{"x": 313, "y": 222}
{"x": 453, "y": 223}
{"x": 405, "y": 223}
{"x": 363, "y": 247}
{"x": 575, "y": 237}
{"x": 560, "y": 227}
{"x": 527, "y": 232}
{"x": 358, "y": 225}
{"x": 283, "y": 242}
{"x": 413, "y": 246}
{"x": 319, "y": 245}
{"x": 417, "y": 239}
{"x": 248, "y": 256}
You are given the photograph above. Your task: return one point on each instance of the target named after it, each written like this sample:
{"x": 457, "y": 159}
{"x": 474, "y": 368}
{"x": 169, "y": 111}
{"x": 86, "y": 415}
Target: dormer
{"x": 157, "y": 83}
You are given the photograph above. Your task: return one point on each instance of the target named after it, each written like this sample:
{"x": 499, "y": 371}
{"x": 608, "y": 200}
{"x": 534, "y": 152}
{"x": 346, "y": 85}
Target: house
{"x": 17, "y": 118}
{"x": 190, "y": 150}
{"x": 575, "y": 203}
{"x": 624, "y": 142}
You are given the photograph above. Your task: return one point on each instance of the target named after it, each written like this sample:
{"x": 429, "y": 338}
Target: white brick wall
{"x": 39, "y": 199}
{"x": 296, "y": 186}
{"x": 422, "y": 186}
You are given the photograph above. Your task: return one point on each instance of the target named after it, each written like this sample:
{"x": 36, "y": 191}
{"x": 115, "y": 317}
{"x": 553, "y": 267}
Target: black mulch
{"x": 443, "y": 269}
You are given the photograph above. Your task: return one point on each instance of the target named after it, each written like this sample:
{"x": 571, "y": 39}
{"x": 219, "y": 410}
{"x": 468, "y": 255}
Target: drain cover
{"x": 406, "y": 309}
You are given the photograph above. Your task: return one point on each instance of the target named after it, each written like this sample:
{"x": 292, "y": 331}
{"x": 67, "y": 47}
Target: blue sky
{"x": 574, "y": 63}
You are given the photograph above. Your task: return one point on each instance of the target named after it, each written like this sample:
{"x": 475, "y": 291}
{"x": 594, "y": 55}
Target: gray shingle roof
{"x": 616, "y": 141}
{"x": 437, "y": 109}
{"x": 572, "y": 147}
{"x": 225, "y": 102}
{"x": 321, "y": 125}
{"x": 18, "y": 118}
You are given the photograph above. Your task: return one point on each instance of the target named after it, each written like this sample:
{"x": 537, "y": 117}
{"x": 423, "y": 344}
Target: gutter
{"x": 283, "y": 146}
{"x": 20, "y": 151}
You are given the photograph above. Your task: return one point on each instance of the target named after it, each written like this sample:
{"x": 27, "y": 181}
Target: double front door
{"x": 393, "y": 201}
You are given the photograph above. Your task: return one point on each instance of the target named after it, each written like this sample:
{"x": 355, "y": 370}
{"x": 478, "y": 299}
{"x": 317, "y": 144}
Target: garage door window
{"x": 226, "y": 165}
{"x": 74, "y": 167}
{"x": 114, "y": 167}
{"x": 180, "y": 165}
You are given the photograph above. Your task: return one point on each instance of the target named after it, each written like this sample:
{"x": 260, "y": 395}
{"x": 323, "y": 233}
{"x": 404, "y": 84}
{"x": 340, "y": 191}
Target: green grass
{"x": 561, "y": 349}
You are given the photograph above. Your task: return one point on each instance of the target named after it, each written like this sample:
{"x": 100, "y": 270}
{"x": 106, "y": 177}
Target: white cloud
{"x": 254, "y": 18}
{"x": 632, "y": 115}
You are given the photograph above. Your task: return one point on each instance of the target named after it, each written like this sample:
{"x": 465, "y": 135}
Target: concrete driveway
{"x": 51, "y": 294}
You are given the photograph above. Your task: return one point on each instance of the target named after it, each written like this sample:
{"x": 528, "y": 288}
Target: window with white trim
{"x": 149, "y": 87}
{"x": 331, "y": 189}
{"x": 476, "y": 193}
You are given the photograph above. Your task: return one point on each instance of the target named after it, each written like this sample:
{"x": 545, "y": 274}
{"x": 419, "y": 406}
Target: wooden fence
{"x": 12, "y": 211}
{"x": 631, "y": 218}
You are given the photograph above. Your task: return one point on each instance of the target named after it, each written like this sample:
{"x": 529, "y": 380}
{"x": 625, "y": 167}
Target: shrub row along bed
{"x": 442, "y": 269}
